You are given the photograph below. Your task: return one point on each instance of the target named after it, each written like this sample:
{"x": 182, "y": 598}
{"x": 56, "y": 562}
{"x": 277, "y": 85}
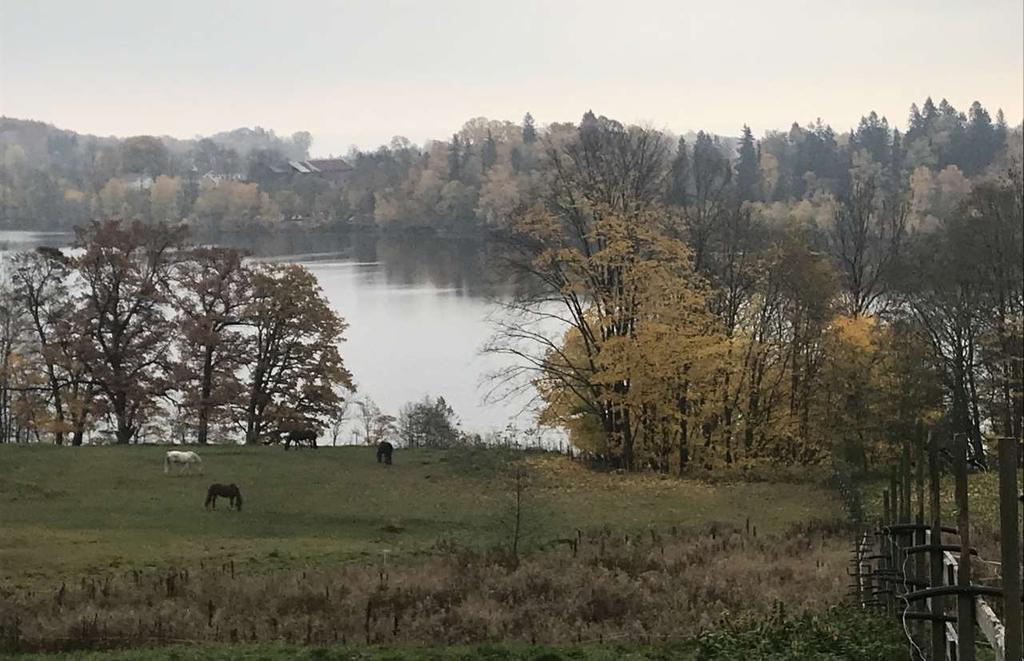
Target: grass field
{"x": 66, "y": 511}
{"x": 99, "y": 548}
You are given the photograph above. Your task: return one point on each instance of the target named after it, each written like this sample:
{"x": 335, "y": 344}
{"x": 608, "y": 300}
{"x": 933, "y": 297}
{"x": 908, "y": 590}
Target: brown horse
{"x": 229, "y": 491}
{"x": 300, "y": 437}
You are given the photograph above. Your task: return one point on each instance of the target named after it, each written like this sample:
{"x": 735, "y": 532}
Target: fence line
{"x": 935, "y": 597}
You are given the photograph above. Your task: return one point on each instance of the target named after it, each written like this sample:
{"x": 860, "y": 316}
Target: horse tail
{"x": 238, "y": 500}
{"x": 209, "y": 497}
{"x": 167, "y": 463}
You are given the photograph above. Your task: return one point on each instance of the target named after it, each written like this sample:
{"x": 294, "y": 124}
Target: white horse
{"x": 184, "y": 459}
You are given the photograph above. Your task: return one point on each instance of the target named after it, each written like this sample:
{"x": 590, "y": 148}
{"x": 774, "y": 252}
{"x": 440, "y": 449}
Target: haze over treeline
{"x": 53, "y": 178}
{"x": 803, "y": 296}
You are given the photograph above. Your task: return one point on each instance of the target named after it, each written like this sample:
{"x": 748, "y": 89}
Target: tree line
{"x": 474, "y": 181}
{"x": 140, "y": 334}
{"x": 712, "y": 321}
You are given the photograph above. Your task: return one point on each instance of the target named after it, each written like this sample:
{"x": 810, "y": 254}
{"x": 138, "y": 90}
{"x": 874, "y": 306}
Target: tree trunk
{"x": 125, "y": 429}
{"x": 204, "y": 396}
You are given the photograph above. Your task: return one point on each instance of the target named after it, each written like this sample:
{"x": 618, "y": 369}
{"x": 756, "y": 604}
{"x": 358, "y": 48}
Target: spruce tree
{"x": 747, "y": 172}
{"x": 455, "y": 158}
{"x": 489, "y": 152}
{"x": 529, "y": 130}
{"x": 980, "y": 143}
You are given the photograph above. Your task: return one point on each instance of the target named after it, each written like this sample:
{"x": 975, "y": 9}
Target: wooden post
{"x": 907, "y": 539}
{"x": 895, "y": 540}
{"x": 885, "y": 564}
{"x": 920, "y": 560}
{"x": 922, "y": 573}
{"x": 1009, "y": 536}
{"x": 907, "y": 494}
{"x": 964, "y": 602}
{"x": 938, "y": 627}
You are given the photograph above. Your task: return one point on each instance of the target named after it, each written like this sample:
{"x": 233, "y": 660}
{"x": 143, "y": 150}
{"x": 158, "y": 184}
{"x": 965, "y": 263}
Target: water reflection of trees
{"x": 469, "y": 266}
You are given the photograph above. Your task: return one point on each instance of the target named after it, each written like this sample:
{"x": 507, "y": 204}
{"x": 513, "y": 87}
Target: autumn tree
{"x": 212, "y": 290}
{"x": 123, "y": 314}
{"x": 294, "y": 366}
{"x": 40, "y": 287}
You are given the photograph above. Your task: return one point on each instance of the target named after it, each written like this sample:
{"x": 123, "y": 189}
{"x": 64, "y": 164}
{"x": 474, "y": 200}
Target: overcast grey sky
{"x": 360, "y": 72}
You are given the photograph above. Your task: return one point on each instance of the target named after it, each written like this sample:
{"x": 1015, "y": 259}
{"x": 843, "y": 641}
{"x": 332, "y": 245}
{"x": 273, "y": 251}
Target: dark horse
{"x": 300, "y": 437}
{"x": 229, "y": 491}
{"x": 384, "y": 451}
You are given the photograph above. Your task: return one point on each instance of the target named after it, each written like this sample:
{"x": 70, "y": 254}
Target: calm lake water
{"x": 418, "y": 311}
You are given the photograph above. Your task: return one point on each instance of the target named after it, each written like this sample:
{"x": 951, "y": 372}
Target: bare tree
{"x": 338, "y": 418}
{"x": 866, "y": 240}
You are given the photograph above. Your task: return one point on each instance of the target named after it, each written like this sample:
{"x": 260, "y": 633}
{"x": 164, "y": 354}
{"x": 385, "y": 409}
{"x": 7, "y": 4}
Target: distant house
{"x": 138, "y": 181}
{"x": 212, "y": 178}
{"x": 333, "y": 170}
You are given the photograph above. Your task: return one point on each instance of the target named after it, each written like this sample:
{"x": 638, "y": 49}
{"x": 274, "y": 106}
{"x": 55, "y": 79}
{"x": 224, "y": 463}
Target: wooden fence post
{"x": 907, "y": 499}
{"x": 906, "y": 506}
{"x": 935, "y": 538}
{"x": 920, "y": 561}
{"x": 886, "y": 551}
{"x": 964, "y": 600}
{"x": 1010, "y": 541}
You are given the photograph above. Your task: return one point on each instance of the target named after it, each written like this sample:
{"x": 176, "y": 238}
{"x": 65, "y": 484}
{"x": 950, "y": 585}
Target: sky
{"x": 358, "y": 73}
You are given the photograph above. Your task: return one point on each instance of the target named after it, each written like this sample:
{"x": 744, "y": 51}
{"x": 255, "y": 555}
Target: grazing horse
{"x": 185, "y": 459}
{"x": 229, "y": 491}
{"x": 300, "y": 436}
{"x": 384, "y": 451}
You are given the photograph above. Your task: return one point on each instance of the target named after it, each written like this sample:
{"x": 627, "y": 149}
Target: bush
{"x": 838, "y": 634}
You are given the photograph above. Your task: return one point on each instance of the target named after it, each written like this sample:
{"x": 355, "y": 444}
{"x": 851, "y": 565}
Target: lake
{"x": 418, "y": 311}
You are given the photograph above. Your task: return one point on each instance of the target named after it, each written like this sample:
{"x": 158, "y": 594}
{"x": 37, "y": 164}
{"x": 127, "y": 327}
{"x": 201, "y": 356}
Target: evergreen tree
{"x": 928, "y": 113}
{"x": 949, "y": 131}
{"x": 872, "y": 135}
{"x": 980, "y": 141}
{"x": 747, "y": 173}
{"x": 489, "y": 152}
{"x": 896, "y": 161}
{"x": 529, "y": 130}
{"x": 1001, "y": 130}
{"x": 455, "y": 150}
{"x": 915, "y": 123}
